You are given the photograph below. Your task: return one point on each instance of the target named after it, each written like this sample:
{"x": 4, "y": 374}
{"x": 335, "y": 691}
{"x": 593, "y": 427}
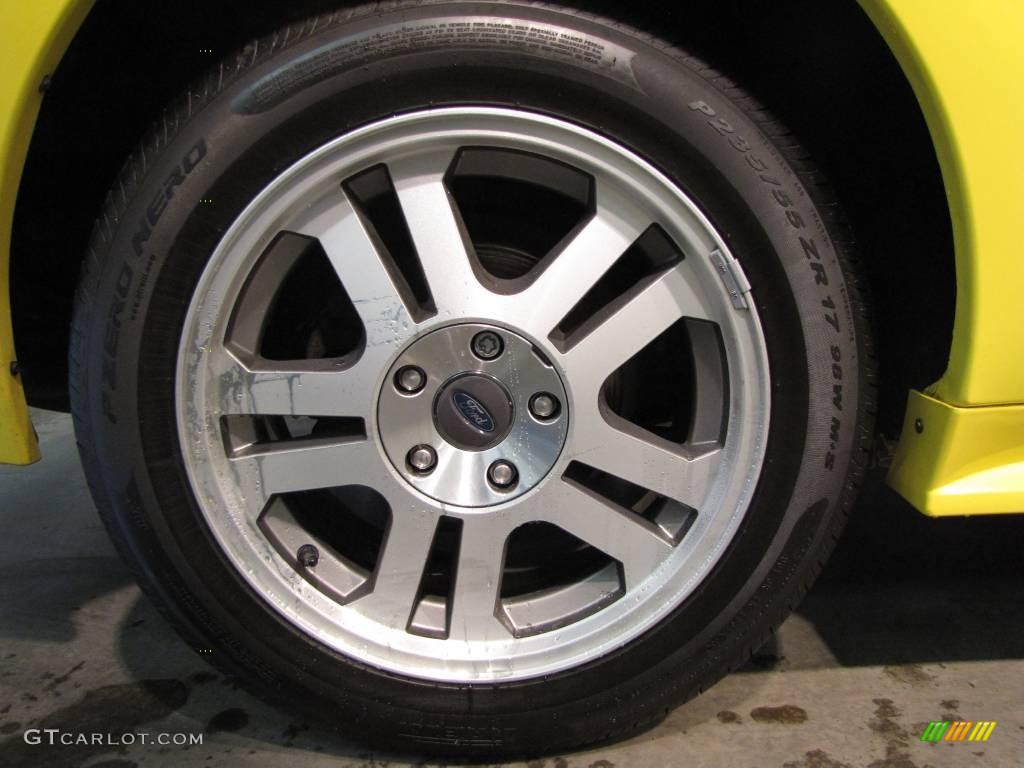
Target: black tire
{"x": 255, "y": 115}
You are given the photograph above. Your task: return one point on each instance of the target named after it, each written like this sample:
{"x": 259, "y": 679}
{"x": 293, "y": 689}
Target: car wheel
{"x": 481, "y": 378}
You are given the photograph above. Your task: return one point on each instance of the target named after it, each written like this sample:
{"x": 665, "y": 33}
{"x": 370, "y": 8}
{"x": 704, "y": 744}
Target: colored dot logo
{"x": 958, "y": 730}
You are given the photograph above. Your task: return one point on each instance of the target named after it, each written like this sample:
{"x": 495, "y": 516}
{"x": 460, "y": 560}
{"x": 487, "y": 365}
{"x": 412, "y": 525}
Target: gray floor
{"x": 914, "y": 620}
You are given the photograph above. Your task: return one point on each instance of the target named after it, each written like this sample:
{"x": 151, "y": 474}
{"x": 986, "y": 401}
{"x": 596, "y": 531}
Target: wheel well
{"x": 821, "y": 67}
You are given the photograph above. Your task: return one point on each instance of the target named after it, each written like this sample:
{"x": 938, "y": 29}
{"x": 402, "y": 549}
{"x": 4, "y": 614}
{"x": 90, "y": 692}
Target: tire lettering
{"x": 820, "y": 275}
{"x": 781, "y": 198}
{"x": 154, "y": 211}
{"x": 810, "y": 248}
{"x": 756, "y": 163}
{"x": 811, "y": 252}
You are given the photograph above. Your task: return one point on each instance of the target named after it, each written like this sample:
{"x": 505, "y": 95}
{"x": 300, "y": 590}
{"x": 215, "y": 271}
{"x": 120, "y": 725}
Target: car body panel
{"x": 958, "y": 58}
{"x": 36, "y": 35}
{"x": 960, "y": 461}
{"x": 964, "y": 61}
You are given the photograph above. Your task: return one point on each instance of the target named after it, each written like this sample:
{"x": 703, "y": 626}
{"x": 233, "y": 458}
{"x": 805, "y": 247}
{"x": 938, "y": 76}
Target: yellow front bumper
{"x": 960, "y": 461}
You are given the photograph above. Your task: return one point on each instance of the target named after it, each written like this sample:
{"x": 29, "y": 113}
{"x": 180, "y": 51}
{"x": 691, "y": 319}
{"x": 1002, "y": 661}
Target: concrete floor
{"x": 914, "y": 620}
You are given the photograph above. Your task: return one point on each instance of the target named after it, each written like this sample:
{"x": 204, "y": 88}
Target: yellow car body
{"x": 36, "y": 36}
{"x": 961, "y": 450}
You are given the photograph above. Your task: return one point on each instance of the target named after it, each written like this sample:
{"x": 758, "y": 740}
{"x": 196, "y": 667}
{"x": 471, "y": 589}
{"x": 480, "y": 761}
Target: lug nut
{"x": 544, "y": 406}
{"x": 502, "y": 474}
{"x": 422, "y": 458}
{"x": 410, "y": 379}
{"x": 308, "y": 556}
{"x": 487, "y": 345}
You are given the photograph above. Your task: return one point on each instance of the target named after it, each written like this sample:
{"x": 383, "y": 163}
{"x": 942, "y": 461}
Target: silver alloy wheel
{"x": 702, "y": 487}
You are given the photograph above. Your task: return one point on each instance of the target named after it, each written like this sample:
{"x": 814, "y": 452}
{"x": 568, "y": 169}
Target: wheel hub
{"x": 469, "y": 394}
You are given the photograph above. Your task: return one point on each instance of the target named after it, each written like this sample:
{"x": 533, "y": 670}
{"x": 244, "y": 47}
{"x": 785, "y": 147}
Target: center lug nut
{"x": 502, "y": 474}
{"x": 422, "y": 458}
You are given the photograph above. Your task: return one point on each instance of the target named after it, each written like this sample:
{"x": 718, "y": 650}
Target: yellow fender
{"x": 36, "y": 35}
{"x": 961, "y": 451}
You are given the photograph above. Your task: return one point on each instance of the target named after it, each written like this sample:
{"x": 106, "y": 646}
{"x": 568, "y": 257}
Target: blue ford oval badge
{"x": 472, "y": 411}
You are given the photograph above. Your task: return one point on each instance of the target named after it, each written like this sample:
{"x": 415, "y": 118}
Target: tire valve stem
{"x": 308, "y": 556}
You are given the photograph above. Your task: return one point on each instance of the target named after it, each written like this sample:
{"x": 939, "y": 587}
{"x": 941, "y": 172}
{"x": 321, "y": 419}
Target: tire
{"x": 725, "y": 174}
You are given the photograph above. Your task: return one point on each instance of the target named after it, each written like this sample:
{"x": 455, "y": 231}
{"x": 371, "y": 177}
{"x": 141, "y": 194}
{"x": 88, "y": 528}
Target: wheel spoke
{"x": 644, "y": 460}
{"x": 303, "y": 465}
{"x": 580, "y": 263}
{"x": 478, "y": 579}
{"x": 276, "y": 389}
{"x": 632, "y": 325}
{"x": 617, "y": 532}
{"x": 355, "y": 255}
{"x": 441, "y": 241}
{"x": 399, "y": 572}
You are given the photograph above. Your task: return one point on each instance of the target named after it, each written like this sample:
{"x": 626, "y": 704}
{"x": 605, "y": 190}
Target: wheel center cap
{"x": 473, "y": 412}
{"x": 472, "y": 415}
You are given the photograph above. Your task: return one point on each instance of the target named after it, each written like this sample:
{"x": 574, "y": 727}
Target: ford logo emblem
{"x": 472, "y": 411}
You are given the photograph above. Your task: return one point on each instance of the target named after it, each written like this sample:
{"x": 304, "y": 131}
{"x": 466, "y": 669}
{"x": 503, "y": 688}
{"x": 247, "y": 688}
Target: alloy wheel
{"x": 473, "y": 394}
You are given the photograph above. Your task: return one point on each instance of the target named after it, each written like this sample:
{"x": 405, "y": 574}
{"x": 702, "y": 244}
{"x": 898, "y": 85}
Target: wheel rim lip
{"x": 454, "y": 660}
